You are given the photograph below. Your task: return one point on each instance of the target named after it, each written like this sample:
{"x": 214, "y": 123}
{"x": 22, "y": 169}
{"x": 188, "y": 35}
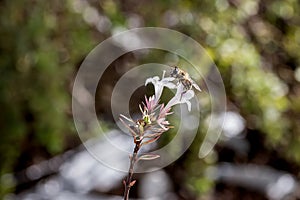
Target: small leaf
{"x": 128, "y": 119}
{"x": 153, "y": 135}
{"x": 133, "y": 133}
{"x": 149, "y": 157}
{"x": 151, "y": 140}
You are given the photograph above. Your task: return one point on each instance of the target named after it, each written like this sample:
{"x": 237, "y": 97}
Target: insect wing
{"x": 196, "y": 86}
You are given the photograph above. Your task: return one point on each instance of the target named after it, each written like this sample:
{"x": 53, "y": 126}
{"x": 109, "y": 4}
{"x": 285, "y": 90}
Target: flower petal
{"x": 168, "y": 79}
{"x": 187, "y": 95}
{"x": 188, "y": 105}
{"x": 170, "y": 85}
{"x": 152, "y": 80}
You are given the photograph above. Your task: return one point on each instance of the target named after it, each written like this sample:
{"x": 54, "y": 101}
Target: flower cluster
{"x": 153, "y": 122}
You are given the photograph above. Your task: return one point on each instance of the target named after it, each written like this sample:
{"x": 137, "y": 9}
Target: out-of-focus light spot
{"x": 130, "y": 41}
{"x": 221, "y": 5}
{"x": 103, "y": 24}
{"x": 283, "y": 9}
{"x": 250, "y": 7}
{"x": 90, "y": 15}
{"x": 73, "y": 172}
{"x": 171, "y": 18}
{"x": 154, "y": 185}
{"x": 233, "y": 125}
{"x": 229, "y": 46}
{"x": 280, "y": 90}
{"x": 272, "y": 114}
{"x": 275, "y": 184}
{"x": 283, "y": 186}
{"x": 134, "y": 21}
{"x": 259, "y": 28}
{"x": 78, "y": 5}
{"x": 238, "y": 32}
{"x": 206, "y": 24}
{"x": 33, "y": 172}
{"x": 186, "y": 18}
{"x": 118, "y": 29}
{"x": 212, "y": 40}
{"x": 52, "y": 187}
{"x": 297, "y": 74}
{"x": 286, "y": 11}
{"x": 109, "y": 6}
{"x": 54, "y": 163}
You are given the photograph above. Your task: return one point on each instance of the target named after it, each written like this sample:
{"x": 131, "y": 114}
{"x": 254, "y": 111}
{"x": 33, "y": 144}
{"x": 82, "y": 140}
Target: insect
{"x": 184, "y": 78}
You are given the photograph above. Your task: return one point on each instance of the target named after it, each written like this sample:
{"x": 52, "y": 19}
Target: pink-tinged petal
{"x": 147, "y": 102}
{"x": 150, "y": 103}
{"x": 164, "y": 112}
{"x": 161, "y": 107}
{"x": 163, "y": 127}
{"x": 165, "y": 122}
{"x": 159, "y": 122}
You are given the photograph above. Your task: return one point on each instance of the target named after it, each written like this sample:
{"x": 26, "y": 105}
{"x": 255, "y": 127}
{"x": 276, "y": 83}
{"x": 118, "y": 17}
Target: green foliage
{"x": 40, "y": 44}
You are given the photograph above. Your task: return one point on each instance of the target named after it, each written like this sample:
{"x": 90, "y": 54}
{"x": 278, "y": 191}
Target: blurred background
{"x": 255, "y": 45}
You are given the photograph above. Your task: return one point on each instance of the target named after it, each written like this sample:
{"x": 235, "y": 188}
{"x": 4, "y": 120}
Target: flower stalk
{"x": 153, "y": 122}
{"x": 129, "y": 183}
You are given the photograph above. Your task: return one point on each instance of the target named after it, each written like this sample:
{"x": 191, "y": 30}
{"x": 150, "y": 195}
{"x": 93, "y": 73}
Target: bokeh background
{"x": 255, "y": 45}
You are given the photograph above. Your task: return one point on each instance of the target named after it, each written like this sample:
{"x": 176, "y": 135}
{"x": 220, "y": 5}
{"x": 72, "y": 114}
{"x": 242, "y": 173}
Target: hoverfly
{"x": 184, "y": 78}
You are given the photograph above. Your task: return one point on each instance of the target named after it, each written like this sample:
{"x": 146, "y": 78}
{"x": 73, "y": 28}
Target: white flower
{"x": 160, "y": 84}
{"x": 182, "y": 96}
{"x": 153, "y": 122}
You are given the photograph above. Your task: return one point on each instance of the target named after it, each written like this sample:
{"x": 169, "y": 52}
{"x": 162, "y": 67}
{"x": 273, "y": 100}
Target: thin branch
{"x": 129, "y": 183}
